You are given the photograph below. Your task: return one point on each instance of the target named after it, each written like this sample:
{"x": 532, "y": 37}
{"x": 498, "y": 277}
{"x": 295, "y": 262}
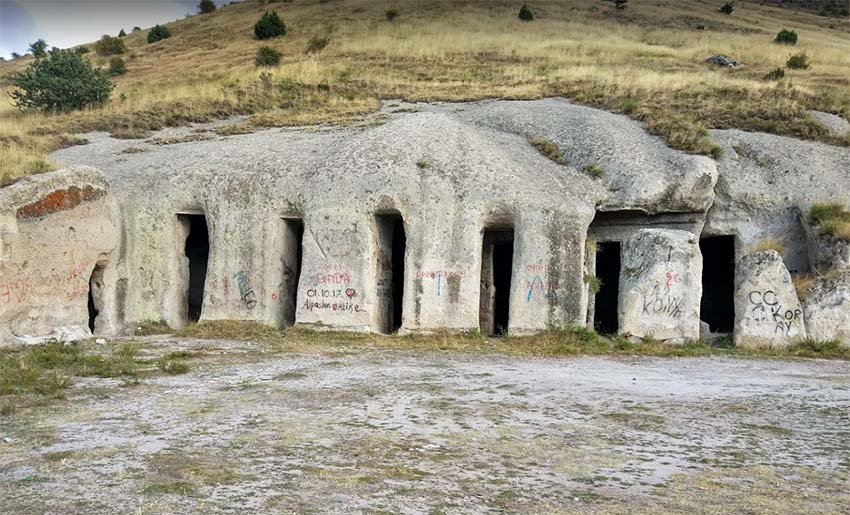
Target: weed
{"x": 775, "y": 74}
{"x": 172, "y": 366}
{"x": 317, "y": 44}
{"x": 594, "y": 284}
{"x": 832, "y": 219}
{"x": 798, "y": 61}
{"x": 422, "y": 164}
{"x": 594, "y": 170}
{"x": 776, "y": 244}
{"x": 549, "y": 149}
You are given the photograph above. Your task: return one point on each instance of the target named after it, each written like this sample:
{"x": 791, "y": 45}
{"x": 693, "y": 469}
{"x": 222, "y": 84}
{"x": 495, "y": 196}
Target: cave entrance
{"x": 717, "y": 308}
{"x": 605, "y": 319}
{"x": 197, "y": 250}
{"x": 392, "y": 247}
{"x": 496, "y": 269}
{"x": 293, "y": 239}
{"x": 95, "y": 301}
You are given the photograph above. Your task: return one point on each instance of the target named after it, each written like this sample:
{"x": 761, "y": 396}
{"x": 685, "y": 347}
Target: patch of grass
{"x": 317, "y": 43}
{"x": 831, "y": 219}
{"x": 549, "y": 149}
{"x": 594, "y": 284}
{"x": 172, "y": 366}
{"x": 229, "y": 330}
{"x": 184, "y": 488}
{"x": 776, "y": 244}
{"x": 594, "y": 170}
{"x": 422, "y": 164}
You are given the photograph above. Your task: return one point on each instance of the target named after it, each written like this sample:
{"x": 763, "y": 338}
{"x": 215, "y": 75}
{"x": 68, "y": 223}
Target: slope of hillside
{"x": 646, "y": 60}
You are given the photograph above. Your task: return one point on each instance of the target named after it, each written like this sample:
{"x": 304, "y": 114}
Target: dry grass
{"x": 549, "y": 149}
{"x": 646, "y": 61}
{"x": 831, "y": 220}
{"x": 777, "y": 244}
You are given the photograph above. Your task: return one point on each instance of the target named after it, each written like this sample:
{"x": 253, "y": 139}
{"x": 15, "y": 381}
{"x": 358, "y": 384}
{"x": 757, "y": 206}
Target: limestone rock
{"x": 836, "y": 125}
{"x": 767, "y": 310}
{"x": 827, "y": 308}
{"x": 661, "y": 285}
{"x": 724, "y": 60}
{"x": 827, "y": 253}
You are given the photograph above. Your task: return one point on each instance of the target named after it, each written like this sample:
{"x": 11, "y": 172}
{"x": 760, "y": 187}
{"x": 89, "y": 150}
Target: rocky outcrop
{"x": 661, "y": 286}
{"x": 767, "y": 310}
{"x": 56, "y": 229}
{"x": 827, "y": 308}
{"x": 836, "y": 125}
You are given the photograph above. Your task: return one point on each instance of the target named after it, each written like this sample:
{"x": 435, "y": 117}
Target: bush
{"x": 267, "y": 56}
{"x": 116, "y": 67}
{"x": 775, "y": 74}
{"x": 108, "y": 45}
{"x": 798, "y": 61}
{"x": 269, "y": 26}
{"x": 82, "y": 50}
{"x": 621, "y": 4}
{"x": 317, "y": 43}
{"x": 61, "y": 82}
{"x": 39, "y": 49}
{"x": 525, "y": 13}
{"x": 786, "y": 37}
{"x": 727, "y": 8}
{"x": 391, "y": 14}
{"x": 122, "y": 33}
{"x": 136, "y": 29}
{"x": 206, "y": 7}
{"x": 158, "y": 33}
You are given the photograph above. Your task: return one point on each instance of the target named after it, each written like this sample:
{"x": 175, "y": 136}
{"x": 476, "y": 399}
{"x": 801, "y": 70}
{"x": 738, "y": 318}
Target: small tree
{"x": 267, "y": 56}
{"x": 269, "y": 26}
{"x": 16, "y": 55}
{"x": 108, "y": 45}
{"x": 122, "y": 33}
{"x": 39, "y": 48}
{"x": 786, "y": 37}
{"x": 117, "y": 67}
{"x": 158, "y": 33}
{"x": 727, "y": 8}
{"x": 136, "y": 29}
{"x": 525, "y": 13}
{"x": 63, "y": 81}
{"x": 798, "y": 61}
{"x": 206, "y": 7}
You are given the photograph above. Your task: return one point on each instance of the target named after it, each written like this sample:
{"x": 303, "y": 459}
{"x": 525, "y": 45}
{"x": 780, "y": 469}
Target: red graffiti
{"x": 339, "y": 278}
{"x": 671, "y": 278}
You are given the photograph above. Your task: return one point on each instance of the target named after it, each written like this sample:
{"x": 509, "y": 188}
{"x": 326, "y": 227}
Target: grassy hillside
{"x": 646, "y": 61}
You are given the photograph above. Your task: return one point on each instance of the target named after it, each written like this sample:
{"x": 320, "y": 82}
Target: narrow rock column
{"x": 661, "y": 285}
{"x": 767, "y": 310}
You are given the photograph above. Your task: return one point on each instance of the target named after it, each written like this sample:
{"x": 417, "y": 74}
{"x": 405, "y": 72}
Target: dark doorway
{"x": 717, "y": 308}
{"x": 293, "y": 239}
{"x": 197, "y": 250}
{"x": 96, "y": 294}
{"x": 496, "y": 270}
{"x": 392, "y": 246}
{"x": 605, "y": 319}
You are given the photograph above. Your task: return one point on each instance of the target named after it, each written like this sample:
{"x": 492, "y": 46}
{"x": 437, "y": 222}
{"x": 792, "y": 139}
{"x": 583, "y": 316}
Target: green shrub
{"x": 727, "y": 8}
{"x": 621, "y": 4}
{"x": 116, "y": 67}
{"x": 269, "y": 26}
{"x": 391, "y": 14}
{"x": 525, "y": 13}
{"x": 798, "y": 61}
{"x": 267, "y": 56}
{"x": 786, "y": 37}
{"x": 206, "y": 7}
{"x": 82, "y": 50}
{"x": 775, "y": 74}
{"x": 63, "y": 81}
{"x": 39, "y": 49}
{"x": 108, "y": 45}
{"x": 122, "y": 33}
{"x": 317, "y": 43}
{"x": 158, "y": 33}
{"x": 136, "y": 29}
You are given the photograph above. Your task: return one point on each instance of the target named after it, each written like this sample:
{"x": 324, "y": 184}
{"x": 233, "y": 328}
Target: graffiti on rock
{"x": 766, "y": 308}
{"x": 325, "y": 299}
{"x": 661, "y": 302}
{"x": 537, "y": 282}
{"x": 441, "y": 278}
{"x": 246, "y": 292}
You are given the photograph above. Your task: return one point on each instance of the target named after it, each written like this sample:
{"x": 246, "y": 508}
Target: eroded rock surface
{"x": 767, "y": 310}
{"x": 661, "y": 285}
{"x": 827, "y": 308}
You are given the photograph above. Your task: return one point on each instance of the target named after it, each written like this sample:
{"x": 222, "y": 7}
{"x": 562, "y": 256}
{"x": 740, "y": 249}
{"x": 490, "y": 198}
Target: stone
{"x": 827, "y": 308}
{"x": 836, "y": 125}
{"x": 767, "y": 310}
{"x": 661, "y": 286}
{"x": 724, "y": 60}
{"x": 826, "y": 253}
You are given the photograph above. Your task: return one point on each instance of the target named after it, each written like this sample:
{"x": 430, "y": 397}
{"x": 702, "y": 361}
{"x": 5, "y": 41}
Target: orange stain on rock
{"x": 60, "y": 200}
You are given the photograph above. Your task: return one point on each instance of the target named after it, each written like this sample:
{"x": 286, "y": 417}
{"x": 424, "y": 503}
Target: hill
{"x": 340, "y": 58}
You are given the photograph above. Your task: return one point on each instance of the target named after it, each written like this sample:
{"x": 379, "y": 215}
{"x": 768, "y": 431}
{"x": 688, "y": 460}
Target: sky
{"x": 65, "y": 23}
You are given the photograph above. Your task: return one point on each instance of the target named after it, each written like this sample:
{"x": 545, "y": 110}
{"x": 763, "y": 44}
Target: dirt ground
{"x": 383, "y": 431}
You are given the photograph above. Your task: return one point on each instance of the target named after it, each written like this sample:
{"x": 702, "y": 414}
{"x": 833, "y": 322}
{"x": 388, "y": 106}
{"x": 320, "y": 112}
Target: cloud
{"x": 66, "y": 23}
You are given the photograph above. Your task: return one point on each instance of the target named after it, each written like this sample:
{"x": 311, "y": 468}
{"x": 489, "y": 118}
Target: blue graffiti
{"x": 537, "y": 281}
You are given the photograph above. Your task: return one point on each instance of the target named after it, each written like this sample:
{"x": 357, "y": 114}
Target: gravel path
{"x": 378, "y": 431}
